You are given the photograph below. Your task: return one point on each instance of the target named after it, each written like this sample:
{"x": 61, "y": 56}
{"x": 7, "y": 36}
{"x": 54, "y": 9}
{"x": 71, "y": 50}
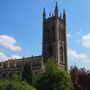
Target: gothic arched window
{"x": 59, "y": 33}
{"x": 4, "y": 75}
{"x": 50, "y": 51}
{"x": 18, "y": 73}
{"x": 47, "y": 34}
{"x": 10, "y": 75}
{"x": 53, "y": 32}
{"x": 61, "y": 54}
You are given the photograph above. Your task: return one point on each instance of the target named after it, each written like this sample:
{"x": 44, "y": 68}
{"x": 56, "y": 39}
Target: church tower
{"x": 54, "y": 37}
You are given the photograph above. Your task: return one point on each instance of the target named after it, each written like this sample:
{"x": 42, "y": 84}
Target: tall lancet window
{"x": 50, "y": 51}
{"x": 53, "y": 32}
{"x": 61, "y": 54}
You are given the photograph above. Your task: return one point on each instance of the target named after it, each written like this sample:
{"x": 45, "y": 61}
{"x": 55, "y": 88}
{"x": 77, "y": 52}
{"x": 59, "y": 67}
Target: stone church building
{"x": 53, "y": 46}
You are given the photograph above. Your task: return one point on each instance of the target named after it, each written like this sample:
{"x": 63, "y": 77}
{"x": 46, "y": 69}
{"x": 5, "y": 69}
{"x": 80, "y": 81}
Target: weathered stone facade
{"x": 54, "y": 38}
{"x": 53, "y": 46}
{"x": 11, "y": 67}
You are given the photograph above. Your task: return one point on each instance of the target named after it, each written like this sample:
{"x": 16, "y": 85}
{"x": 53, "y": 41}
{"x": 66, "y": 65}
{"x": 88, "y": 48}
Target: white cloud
{"x": 68, "y": 35}
{"x": 86, "y": 61}
{"x": 75, "y": 55}
{"x": 9, "y": 42}
{"x": 86, "y": 40}
{"x": 4, "y": 57}
{"x": 15, "y": 56}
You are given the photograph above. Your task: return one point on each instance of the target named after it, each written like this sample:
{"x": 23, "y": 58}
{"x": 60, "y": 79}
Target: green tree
{"x": 27, "y": 74}
{"x": 53, "y": 78}
{"x": 14, "y": 85}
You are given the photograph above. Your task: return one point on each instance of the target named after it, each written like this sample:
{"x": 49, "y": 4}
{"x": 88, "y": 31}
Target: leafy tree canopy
{"x": 14, "y": 85}
{"x": 53, "y": 78}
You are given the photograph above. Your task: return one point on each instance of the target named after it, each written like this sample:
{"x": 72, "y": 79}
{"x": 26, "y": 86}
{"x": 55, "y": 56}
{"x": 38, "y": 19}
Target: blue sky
{"x": 21, "y": 28}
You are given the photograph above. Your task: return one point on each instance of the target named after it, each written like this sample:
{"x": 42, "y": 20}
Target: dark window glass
{"x": 50, "y": 51}
{"x": 4, "y": 75}
{"x": 10, "y": 75}
{"x": 36, "y": 64}
{"x": 53, "y": 33}
{"x": 47, "y": 34}
{"x": 18, "y": 73}
{"x": 61, "y": 54}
